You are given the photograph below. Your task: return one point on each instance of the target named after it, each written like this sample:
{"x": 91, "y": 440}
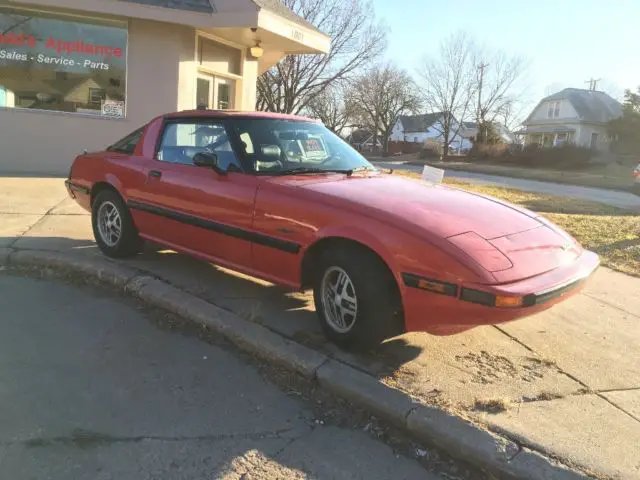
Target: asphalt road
{"x": 91, "y": 389}
{"x": 608, "y": 197}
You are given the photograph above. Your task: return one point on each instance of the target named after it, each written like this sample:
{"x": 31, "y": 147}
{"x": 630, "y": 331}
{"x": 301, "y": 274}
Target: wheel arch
{"x": 110, "y": 183}
{"x": 345, "y": 239}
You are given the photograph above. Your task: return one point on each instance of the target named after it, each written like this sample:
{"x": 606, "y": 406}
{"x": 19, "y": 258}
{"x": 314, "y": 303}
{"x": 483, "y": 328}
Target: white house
{"x": 574, "y": 116}
{"x": 420, "y": 128}
{"x": 470, "y": 130}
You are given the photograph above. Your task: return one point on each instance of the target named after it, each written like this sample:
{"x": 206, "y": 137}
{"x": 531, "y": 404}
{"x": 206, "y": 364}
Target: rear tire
{"x": 113, "y": 227}
{"x": 356, "y": 299}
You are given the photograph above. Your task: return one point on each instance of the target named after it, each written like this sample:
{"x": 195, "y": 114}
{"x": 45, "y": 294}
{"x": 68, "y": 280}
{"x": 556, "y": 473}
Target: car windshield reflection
{"x": 281, "y": 147}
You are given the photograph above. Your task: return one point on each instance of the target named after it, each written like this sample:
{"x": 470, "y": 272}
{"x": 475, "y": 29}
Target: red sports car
{"x": 282, "y": 198}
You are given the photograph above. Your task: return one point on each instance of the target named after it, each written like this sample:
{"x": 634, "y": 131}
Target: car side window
{"x": 128, "y": 144}
{"x": 182, "y": 140}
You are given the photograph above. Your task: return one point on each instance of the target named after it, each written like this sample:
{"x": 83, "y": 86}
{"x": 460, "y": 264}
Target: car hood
{"x": 438, "y": 209}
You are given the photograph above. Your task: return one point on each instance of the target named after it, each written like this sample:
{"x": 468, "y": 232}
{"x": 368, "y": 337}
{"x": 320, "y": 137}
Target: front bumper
{"x": 461, "y": 307}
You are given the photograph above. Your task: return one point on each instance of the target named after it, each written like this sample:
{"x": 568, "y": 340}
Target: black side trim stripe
{"x": 478, "y": 297}
{"x": 260, "y": 239}
{"x": 77, "y": 188}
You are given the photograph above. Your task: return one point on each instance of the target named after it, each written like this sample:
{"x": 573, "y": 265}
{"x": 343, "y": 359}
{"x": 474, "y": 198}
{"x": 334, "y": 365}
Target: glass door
{"x": 204, "y": 92}
{"x": 215, "y": 93}
{"x": 224, "y": 93}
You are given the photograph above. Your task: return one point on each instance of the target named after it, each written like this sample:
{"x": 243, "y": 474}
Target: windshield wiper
{"x": 303, "y": 170}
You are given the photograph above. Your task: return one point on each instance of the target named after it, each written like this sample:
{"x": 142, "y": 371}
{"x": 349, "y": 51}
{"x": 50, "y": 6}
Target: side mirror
{"x": 210, "y": 160}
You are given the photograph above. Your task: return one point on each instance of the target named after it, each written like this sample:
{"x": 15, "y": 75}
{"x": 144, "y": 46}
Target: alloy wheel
{"x": 109, "y": 224}
{"x": 339, "y": 300}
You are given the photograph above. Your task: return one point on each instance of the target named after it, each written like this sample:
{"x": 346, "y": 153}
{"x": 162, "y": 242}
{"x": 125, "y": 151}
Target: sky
{"x": 565, "y": 42}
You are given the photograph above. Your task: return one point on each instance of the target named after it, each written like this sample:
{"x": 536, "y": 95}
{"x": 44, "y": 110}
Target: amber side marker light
{"x": 509, "y": 302}
{"x": 432, "y": 286}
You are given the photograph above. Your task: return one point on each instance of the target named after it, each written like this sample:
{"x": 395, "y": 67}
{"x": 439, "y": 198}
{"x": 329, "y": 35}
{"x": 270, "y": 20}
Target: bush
{"x": 566, "y": 157}
{"x": 431, "y": 150}
{"x": 489, "y": 151}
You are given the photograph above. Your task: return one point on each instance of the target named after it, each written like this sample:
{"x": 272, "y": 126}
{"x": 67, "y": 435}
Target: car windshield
{"x": 277, "y": 147}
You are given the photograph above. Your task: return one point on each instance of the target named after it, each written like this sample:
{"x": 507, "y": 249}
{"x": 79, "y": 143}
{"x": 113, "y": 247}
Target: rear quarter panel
{"x": 125, "y": 173}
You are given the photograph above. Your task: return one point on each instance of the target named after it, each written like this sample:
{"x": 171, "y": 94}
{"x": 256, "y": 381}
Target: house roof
{"x": 360, "y": 136}
{"x": 590, "y": 105}
{"x": 419, "y": 123}
{"x": 470, "y": 124}
{"x": 206, "y": 6}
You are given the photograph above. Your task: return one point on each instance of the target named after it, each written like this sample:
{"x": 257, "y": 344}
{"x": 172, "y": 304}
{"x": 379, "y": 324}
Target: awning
{"x": 549, "y": 129}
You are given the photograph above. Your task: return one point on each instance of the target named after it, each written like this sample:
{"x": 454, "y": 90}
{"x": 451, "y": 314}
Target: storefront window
{"x": 60, "y": 63}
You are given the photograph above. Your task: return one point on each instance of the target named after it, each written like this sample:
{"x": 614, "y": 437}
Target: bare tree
{"x": 356, "y": 39}
{"x": 382, "y": 95}
{"x": 335, "y": 107}
{"x": 498, "y": 75}
{"x": 448, "y": 85}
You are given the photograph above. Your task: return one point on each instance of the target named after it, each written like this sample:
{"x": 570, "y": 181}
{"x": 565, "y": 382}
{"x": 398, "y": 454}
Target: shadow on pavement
{"x": 286, "y": 312}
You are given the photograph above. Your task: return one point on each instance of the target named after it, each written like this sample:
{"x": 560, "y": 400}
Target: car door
{"x": 195, "y": 209}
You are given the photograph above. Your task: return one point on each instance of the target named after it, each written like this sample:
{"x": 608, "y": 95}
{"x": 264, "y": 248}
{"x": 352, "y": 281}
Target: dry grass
{"x": 612, "y": 232}
{"x": 493, "y": 405}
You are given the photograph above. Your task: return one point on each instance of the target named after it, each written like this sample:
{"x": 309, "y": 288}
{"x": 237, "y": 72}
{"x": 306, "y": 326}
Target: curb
{"x": 459, "y": 438}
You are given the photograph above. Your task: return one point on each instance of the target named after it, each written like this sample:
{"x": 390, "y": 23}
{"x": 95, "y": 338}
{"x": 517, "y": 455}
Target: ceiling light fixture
{"x": 257, "y": 51}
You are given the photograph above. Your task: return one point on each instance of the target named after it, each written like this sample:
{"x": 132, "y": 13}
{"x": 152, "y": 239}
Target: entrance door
{"x": 215, "y": 93}
{"x": 224, "y": 93}
{"x": 594, "y": 141}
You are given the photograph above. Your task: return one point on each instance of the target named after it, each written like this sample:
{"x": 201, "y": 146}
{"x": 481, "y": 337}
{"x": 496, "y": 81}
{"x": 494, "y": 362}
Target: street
{"x": 608, "y": 197}
{"x": 91, "y": 389}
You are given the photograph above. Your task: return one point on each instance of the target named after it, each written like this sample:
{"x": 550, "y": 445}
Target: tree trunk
{"x": 445, "y": 145}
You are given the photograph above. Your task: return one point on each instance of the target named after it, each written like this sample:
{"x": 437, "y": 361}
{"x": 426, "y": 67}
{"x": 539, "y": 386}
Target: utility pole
{"x": 481, "y": 67}
{"x": 593, "y": 83}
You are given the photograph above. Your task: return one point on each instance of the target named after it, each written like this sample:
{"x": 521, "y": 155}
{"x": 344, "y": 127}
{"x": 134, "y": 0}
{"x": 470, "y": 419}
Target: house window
{"x": 97, "y": 95}
{"x": 554, "y": 110}
{"x": 415, "y": 139}
{"x": 61, "y": 63}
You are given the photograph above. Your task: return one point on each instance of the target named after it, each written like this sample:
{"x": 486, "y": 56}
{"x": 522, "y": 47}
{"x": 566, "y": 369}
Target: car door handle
{"x": 155, "y": 174}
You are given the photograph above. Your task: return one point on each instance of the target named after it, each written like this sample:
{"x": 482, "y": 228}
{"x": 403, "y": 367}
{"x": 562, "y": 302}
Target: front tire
{"x": 356, "y": 298}
{"x": 113, "y": 227}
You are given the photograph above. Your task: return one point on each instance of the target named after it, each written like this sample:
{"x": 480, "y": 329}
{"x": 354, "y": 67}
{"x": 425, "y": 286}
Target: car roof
{"x": 237, "y": 114}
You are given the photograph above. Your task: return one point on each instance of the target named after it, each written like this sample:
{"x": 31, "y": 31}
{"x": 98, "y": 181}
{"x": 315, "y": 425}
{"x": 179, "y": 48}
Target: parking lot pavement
{"x": 579, "y": 360}
{"x": 91, "y": 388}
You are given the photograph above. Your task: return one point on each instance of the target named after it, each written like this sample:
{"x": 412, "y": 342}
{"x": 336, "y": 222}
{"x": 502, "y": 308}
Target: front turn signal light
{"x": 509, "y": 302}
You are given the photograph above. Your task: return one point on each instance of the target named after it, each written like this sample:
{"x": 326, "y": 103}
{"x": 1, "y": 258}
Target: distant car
{"x": 282, "y": 198}
{"x": 636, "y": 179}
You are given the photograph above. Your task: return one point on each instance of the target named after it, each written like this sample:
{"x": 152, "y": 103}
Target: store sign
{"x": 62, "y": 63}
{"x": 54, "y": 51}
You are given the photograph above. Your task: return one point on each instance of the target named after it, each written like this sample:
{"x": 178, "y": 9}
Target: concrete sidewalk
{"x": 566, "y": 382}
